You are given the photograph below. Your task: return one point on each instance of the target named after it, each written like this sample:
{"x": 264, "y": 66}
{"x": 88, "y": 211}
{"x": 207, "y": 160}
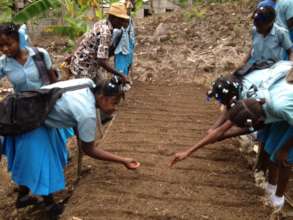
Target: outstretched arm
{"x": 220, "y": 120}
{"x": 247, "y": 57}
{"x": 225, "y": 131}
{"x": 234, "y": 131}
{"x": 211, "y": 137}
{"x": 95, "y": 152}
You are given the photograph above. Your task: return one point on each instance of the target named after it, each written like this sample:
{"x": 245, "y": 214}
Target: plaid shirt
{"x": 94, "y": 46}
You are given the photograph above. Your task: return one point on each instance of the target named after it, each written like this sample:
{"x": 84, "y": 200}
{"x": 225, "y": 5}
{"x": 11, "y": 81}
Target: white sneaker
{"x": 270, "y": 189}
{"x": 277, "y": 202}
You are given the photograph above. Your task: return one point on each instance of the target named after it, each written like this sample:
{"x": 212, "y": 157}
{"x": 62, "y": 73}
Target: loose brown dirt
{"x": 153, "y": 123}
{"x": 163, "y": 114}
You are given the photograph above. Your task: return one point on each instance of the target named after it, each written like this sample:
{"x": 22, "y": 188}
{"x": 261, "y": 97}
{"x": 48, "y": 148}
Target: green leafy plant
{"x": 194, "y": 12}
{"x": 34, "y": 9}
{"x": 76, "y": 22}
{"x": 5, "y": 10}
{"x": 75, "y": 13}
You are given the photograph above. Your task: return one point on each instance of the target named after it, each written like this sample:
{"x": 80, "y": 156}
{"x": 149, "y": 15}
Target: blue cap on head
{"x": 266, "y": 3}
{"x": 264, "y": 14}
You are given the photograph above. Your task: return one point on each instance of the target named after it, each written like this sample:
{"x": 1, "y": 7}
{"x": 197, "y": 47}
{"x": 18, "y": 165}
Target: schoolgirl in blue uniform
{"x": 273, "y": 104}
{"x": 36, "y": 159}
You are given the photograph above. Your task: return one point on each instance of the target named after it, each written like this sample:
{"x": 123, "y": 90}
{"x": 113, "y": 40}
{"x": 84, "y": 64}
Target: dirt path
{"x": 154, "y": 122}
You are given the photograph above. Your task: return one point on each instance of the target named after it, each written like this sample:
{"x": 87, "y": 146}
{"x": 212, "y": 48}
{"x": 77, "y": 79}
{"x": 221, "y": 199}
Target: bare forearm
{"x": 91, "y": 150}
{"x": 212, "y": 137}
{"x": 104, "y": 64}
{"x": 101, "y": 154}
{"x": 234, "y": 132}
{"x": 52, "y": 76}
{"x": 247, "y": 57}
{"x": 220, "y": 120}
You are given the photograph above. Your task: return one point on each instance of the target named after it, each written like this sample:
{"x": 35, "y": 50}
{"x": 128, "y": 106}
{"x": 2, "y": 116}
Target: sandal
{"x": 25, "y": 201}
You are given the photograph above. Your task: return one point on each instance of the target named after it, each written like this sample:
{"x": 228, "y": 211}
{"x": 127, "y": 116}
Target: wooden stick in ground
{"x": 79, "y": 161}
{"x": 79, "y": 157}
{"x": 289, "y": 199}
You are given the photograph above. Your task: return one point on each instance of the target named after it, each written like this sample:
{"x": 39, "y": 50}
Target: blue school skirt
{"x": 279, "y": 134}
{"x": 263, "y": 134}
{"x": 37, "y": 159}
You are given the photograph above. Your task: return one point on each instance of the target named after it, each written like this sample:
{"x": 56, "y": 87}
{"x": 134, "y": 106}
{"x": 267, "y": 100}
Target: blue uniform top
{"x": 272, "y": 47}
{"x": 279, "y": 100}
{"x": 23, "y": 77}
{"x": 128, "y": 35}
{"x": 75, "y": 109}
{"x": 284, "y": 10}
{"x": 258, "y": 78}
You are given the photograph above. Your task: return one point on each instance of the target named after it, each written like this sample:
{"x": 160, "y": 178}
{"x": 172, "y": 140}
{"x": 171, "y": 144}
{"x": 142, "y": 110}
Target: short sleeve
{"x": 286, "y": 41}
{"x": 87, "y": 129}
{"x": 287, "y": 115}
{"x": 289, "y": 11}
{"x": 47, "y": 58}
{"x": 283, "y": 109}
{"x": 105, "y": 42}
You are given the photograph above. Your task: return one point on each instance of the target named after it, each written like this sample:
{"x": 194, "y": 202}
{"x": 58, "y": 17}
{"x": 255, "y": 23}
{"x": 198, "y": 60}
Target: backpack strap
{"x": 41, "y": 66}
{"x": 77, "y": 87}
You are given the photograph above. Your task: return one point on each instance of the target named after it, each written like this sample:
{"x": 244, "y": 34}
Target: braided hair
{"x": 225, "y": 89}
{"x": 248, "y": 113}
{"x": 109, "y": 88}
{"x": 10, "y": 30}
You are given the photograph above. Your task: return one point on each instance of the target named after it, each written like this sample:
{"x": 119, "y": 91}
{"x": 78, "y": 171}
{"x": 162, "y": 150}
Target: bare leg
{"x": 23, "y": 198}
{"x": 273, "y": 173}
{"x": 262, "y": 160}
{"x": 52, "y": 207}
{"x": 284, "y": 175}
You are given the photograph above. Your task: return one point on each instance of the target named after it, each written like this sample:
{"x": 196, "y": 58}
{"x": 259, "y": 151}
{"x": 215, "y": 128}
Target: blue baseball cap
{"x": 266, "y": 3}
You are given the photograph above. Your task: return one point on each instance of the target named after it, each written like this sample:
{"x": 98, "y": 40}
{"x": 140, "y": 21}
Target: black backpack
{"x": 39, "y": 60}
{"x": 41, "y": 66}
{"x": 24, "y": 111}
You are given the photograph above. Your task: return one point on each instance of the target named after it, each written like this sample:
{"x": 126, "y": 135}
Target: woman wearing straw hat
{"x": 94, "y": 50}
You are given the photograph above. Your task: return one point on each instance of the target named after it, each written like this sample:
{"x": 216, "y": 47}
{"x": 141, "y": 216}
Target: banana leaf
{"x": 34, "y": 9}
{"x": 5, "y": 10}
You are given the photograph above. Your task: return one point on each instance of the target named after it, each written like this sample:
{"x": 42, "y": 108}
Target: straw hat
{"x": 118, "y": 10}
{"x": 127, "y": 3}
